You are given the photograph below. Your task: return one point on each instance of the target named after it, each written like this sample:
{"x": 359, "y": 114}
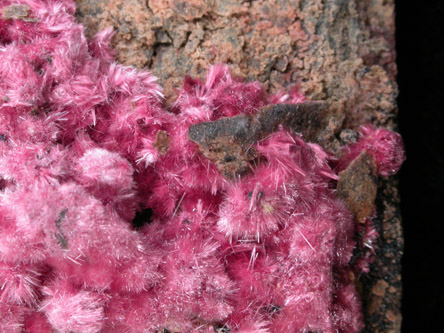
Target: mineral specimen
{"x": 86, "y": 144}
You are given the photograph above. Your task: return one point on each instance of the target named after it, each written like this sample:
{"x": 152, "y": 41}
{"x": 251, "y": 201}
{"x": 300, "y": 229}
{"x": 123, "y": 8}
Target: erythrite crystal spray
{"x": 86, "y": 143}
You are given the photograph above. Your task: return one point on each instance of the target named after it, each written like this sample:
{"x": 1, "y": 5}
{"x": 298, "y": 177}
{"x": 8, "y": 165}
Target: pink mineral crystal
{"x": 87, "y": 146}
{"x": 385, "y": 146}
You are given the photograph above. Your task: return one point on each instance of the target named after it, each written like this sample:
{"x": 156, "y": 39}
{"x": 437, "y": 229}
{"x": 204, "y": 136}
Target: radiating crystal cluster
{"x": 86, "y": 143}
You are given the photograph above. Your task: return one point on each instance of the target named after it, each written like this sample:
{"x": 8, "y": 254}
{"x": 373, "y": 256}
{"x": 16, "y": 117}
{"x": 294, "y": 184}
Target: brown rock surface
{"x": 227, "y": 141}
{"x": 339, "y": 51}
{"x": 357, "y": 185}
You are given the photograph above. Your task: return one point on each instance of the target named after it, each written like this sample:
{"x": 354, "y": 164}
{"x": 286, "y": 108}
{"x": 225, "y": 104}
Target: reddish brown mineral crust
{"x": 338, "y": 51}
{"x": 335, "y": 50}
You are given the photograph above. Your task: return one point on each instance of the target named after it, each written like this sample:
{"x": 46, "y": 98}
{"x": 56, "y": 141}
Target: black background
{"x": 420, "y": 49}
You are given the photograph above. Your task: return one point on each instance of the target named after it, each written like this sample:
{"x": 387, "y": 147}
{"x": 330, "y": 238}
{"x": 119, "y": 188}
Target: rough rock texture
{"x": 382, "y": 286}
{"x": 227, "y": 141}
{"x": 339, "y": 51}
{"x": 357, "y": 186}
